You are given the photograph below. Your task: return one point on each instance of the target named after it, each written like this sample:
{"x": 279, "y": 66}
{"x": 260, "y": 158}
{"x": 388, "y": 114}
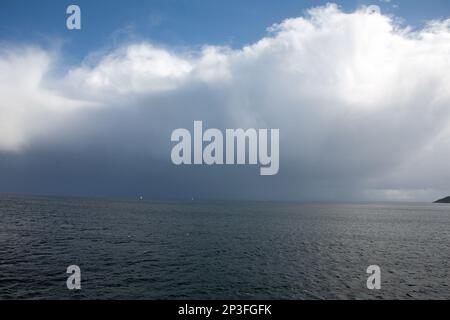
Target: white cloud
{"x": 138, "y": 68}
{"x": 356, "y": 96}
{"x": 27, "y": 108}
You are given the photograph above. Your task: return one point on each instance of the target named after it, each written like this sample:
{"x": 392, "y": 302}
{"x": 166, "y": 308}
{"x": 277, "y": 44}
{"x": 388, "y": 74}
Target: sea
{"x": 132, "y": 249}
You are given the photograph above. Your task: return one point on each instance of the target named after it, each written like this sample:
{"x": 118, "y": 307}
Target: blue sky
{"x": 176, "y": 23}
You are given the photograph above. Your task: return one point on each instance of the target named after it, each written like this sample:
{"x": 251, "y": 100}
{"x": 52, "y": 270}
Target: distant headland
{"x": 444, "y": 200}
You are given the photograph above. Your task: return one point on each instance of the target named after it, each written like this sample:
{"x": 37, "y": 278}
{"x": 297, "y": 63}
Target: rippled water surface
{"x": 220, "y": 250}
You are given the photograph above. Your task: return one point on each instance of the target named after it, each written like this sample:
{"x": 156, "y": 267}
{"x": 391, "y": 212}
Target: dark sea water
{"x": 221, "y": 250}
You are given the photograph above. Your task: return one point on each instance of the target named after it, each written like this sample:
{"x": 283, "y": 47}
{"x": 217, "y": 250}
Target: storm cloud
{"x": 362, "y": 103}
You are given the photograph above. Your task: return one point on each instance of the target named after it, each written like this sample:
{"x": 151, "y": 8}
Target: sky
{"x": 177, "y": 23}
{"x": 361, "y": 98}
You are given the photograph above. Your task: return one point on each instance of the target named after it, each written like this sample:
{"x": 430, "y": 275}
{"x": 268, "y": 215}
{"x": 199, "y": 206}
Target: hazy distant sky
{"x": 362, "y": 100}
